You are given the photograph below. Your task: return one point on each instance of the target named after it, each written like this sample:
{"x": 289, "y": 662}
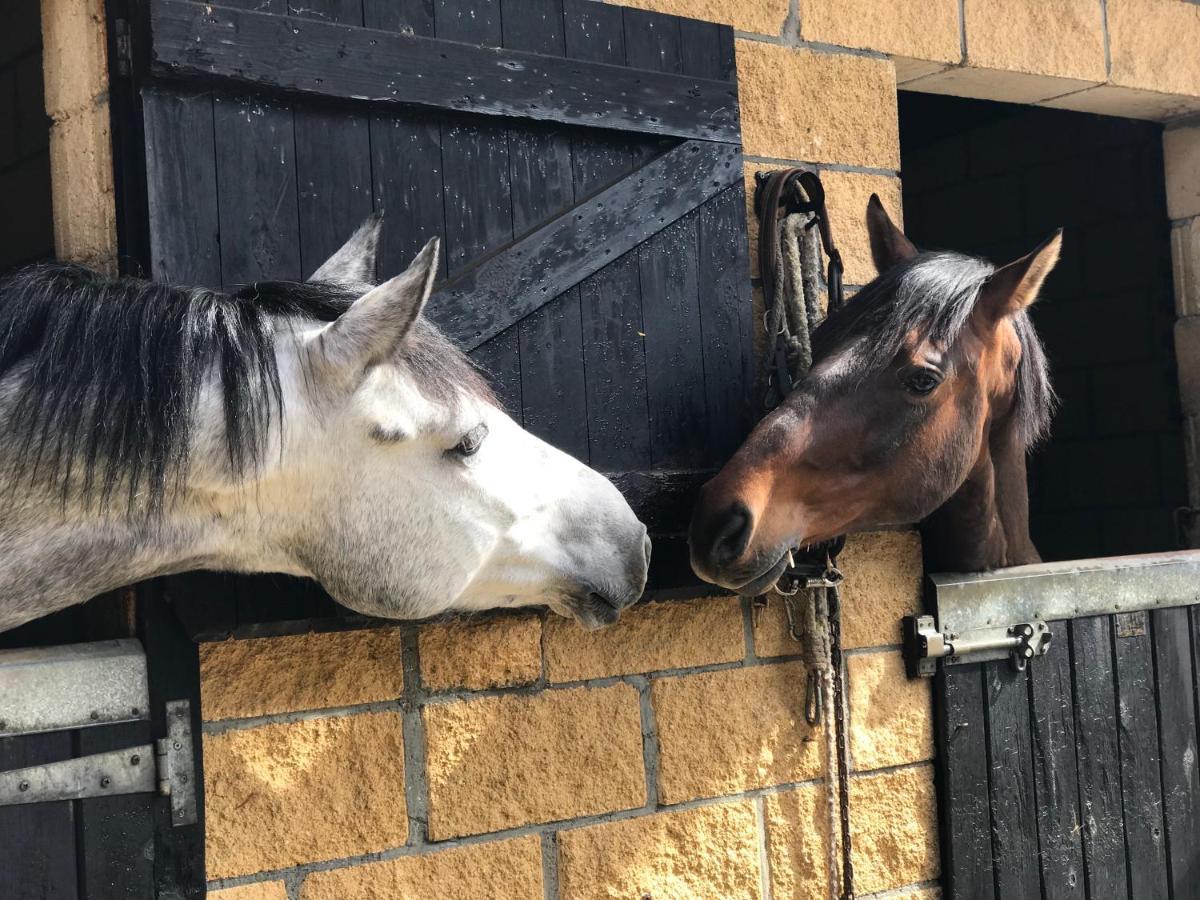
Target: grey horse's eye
{"x": 470, "y": 442}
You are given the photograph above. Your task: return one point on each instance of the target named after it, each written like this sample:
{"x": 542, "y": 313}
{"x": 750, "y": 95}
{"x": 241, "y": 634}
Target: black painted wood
{"x": 351, "y": 64}
{"x": 965, "y": 815}
{"x": 333, "y": 159}
{"x": 490, "y": 296}
{"x": 181, "y": 177}
{"x": 552, "y": 292}
{"x": 115, "y": 833}
{"x": 256, "y": 191}
{"x": 1055, "y": 771}
{"x": 1175, "y": 692}
{"x": 37, "y": 842}
{"x": 1011, "y": 783}
{"x": 1141, "y": 784}
{"x": 1098, "y": 757}
{"x": 550, "y": 339}
{"x": 173, "y": 669}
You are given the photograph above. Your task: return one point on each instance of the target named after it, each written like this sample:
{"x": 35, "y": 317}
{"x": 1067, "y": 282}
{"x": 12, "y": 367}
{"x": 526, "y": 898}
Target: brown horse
{"x": 926, "y": 391}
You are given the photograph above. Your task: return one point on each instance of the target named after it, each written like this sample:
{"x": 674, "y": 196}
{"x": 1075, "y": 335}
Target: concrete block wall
{"x": 517, "y": 756}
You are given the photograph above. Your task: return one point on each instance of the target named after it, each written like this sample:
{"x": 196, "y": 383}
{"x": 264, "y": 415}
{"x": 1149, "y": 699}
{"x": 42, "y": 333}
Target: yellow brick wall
{"x": 520, "y": 756}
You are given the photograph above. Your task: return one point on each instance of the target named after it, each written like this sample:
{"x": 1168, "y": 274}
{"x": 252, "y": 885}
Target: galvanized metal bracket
{"x": 925, "y": 644}
{"x": 165, "y": 767}
{"x": 176, "y": 763}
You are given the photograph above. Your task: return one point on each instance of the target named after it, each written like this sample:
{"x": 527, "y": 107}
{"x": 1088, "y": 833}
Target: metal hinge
{"x": 925, "y": 644}
{"x": 166, "y": 767}
{"x": 123, "y": 42}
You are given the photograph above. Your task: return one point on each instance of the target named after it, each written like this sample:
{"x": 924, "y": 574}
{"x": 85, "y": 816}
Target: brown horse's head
{"x": 911, "y": 381}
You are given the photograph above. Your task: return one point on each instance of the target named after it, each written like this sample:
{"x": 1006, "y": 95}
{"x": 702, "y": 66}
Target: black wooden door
{"x": 581, "y": 163}
{"x": 106, "y": 848}
{"x": 1078, "y": 776}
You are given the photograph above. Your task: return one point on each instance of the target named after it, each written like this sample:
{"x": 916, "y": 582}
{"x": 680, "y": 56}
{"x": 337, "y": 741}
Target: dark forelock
{"x": 932, "y": 295}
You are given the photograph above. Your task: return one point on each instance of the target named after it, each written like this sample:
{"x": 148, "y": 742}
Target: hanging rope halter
{"x": 789, "y": 254}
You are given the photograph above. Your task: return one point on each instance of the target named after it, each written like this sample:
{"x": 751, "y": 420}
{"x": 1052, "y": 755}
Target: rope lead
{"x": 790, "y": 261}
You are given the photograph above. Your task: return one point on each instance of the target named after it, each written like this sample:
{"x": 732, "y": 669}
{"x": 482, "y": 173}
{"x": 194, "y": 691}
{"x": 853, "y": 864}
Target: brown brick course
{"x": 498, "y": 870}
{"x": 499, "y": 762}
{"x": 883, "y": 583}
{"x": 707, "y": 852}
{"x": 1061, "y": 38}
{"x": 733, "y": 730}
{"x": 472, "y": 654}
{"x": 817, "y": 107}
{"x": 891, "y": 716}
{"x": 917, "y": 29}
{"x": 284, "y": 794}
{"x": 648, "y": 638}
{"x": 894, "y": 827}
{"x": 240, "y": 679}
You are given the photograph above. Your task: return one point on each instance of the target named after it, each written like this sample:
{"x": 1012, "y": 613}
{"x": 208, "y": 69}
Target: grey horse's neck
{"x": 52, "y": 556}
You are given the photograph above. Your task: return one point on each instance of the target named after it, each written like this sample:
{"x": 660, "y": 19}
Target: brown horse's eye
{"x": 921, "y": 381}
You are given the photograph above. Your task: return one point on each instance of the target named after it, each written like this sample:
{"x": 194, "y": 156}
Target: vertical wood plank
{"x": 553, "y": 391}
{"x": 406, "y": 156}
{"x": 963, "y": 793}
{"x": 610, "y": 301}
{"x": 37, "y": 842}
{"x": 256, "y": 191}
{"x": 1098, "y": 758}
{"x": 1014, "y": 806}
{"x": 726, "y": 306}
{"x": 1055, "y": 772}
{"x": 181, "y": 177}
{"x": 1141, "y": 778}
{"x": 173, "y": 670}
{"x": 478, "y": 190}
{"x": 1176, "y": 698}
{"x": 726, "y": 324}
{"x": 668, "y": 269}
{"x": 116, "y": 833}
{"x": 333, "y": 158}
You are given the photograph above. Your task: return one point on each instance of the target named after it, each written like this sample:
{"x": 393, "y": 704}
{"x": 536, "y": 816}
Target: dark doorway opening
{"x": 995, "y": 180}
{"x": 26, "y": 233}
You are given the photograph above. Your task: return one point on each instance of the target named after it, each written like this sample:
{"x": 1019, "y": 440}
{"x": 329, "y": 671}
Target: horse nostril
{"x": 733, "y": 535}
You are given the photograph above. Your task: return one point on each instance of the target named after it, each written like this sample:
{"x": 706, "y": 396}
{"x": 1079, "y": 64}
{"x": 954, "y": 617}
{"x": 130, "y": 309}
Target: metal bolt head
{"x": 135, "y": 711}
{"x": 177, "y": 745}
{"x": 182, "y": 777}
{"x": 95, "y": 715}
{"x": 105, "y": 781}
{"x": 135, "y": 759}
{"x": 23, "y": 786}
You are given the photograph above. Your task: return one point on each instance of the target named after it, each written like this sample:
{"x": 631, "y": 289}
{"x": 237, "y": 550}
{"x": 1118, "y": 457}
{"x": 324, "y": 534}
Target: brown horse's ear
{"x": 889, "y": 246}
{"x": 1014, "y": 287}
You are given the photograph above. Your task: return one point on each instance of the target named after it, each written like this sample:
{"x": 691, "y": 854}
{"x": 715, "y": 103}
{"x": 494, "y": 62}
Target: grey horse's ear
{"x": 889, "y": 246}
{"x": 353, "y": 265}
{"x": 375, "y": 324}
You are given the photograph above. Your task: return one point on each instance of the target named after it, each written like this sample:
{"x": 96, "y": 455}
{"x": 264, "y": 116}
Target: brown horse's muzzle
{"x": 725, "y": 538}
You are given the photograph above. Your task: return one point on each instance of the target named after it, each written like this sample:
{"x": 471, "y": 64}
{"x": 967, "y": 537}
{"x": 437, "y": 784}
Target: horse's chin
{"x": 591, "y": 611}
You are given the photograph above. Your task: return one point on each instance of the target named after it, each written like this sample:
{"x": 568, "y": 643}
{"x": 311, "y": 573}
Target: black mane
{"x": 108, "y": 372}
{"x": 933, "y": 294}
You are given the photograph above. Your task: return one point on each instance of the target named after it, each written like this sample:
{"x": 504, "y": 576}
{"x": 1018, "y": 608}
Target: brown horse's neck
{"x": 985, "y": 524}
